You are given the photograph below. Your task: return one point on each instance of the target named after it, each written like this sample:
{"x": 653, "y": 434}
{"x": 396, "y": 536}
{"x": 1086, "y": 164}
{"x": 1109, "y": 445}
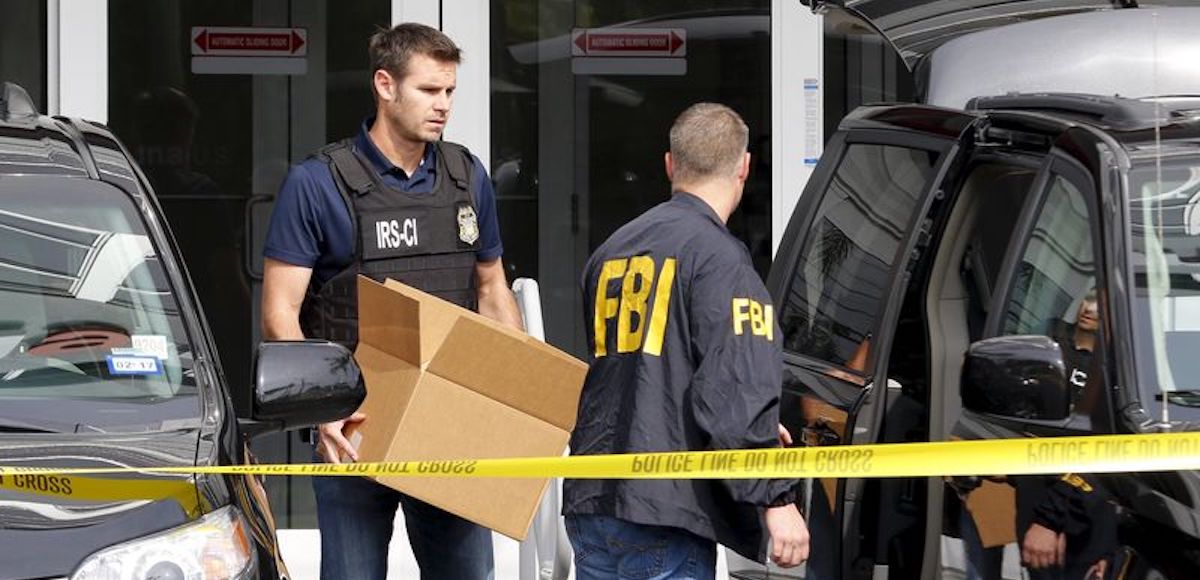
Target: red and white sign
{"x": 231, "y": 41}
{"x": 640, "y": 42}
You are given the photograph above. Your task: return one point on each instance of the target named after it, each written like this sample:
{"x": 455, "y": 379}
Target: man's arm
{"x": 284, "y": 286}
{"x": 496, "y": 301}
{"x": 292, "y": 247}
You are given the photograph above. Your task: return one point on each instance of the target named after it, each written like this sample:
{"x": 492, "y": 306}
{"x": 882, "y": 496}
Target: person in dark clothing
{"x": 685, "y": 355}
{"x": 395, "y": 202}
{"x": 1066, "y": 524}
{"x": 1078, "y": 341}
{"x": 1067, "y": 527}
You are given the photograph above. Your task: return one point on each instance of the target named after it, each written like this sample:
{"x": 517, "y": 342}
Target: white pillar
{"x": 797, "y": 83}
{"x": 79, "y": 78}
{"x": 427, "y": 12}
{"x": 467, "y": 22}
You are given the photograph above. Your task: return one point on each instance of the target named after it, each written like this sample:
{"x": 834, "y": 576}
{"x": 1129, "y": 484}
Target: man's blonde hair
{"x": 708, "y": 141}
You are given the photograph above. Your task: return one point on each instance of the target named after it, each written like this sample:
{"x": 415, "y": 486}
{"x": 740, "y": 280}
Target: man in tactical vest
{"x": 684, "y": 357}
{"x": 392, "y": 202}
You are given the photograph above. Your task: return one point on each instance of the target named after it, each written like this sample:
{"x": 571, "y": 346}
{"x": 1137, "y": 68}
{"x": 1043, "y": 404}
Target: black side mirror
{"x": 302, "y": 383}
{"x": 1016, "y": 376}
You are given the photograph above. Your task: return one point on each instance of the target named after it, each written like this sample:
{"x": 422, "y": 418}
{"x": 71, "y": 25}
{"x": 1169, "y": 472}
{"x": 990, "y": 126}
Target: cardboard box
{"x": 447, "y": 383}
{"x": 994, "y": 508}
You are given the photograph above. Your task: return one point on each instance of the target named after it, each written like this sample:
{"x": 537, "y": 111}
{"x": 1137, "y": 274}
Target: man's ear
{"x": 744, "y": 169}
{"x": 669, "y": 164}
{"x": 384, "y": 85}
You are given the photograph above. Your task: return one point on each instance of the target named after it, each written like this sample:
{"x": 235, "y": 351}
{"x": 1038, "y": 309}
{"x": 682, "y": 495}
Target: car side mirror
{"x": 300, "y": 384}
{"x": 1016, "y": 376}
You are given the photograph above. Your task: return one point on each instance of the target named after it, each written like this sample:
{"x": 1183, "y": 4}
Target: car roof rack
{"x": 15, "y": 102}
{"x": 1111, "y": 111}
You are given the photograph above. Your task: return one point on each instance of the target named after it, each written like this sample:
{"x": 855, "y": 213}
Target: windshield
{"x": 91, "y": 337}
{"x": 1165, "y": 218}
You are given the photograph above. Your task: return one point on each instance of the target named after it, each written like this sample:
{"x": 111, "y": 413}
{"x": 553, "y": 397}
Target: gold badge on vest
{"x": 468, "y": 226}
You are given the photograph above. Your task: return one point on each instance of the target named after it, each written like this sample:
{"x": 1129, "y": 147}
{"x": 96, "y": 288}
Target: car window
{"x": 86, "y": 310}
{"x": 841, "y": 279}
{"x": 1057, "y": 267}
{"x": 1164, "y": 211}
{"x": 1054, "y": 292}
{"x": 994, "y": 193}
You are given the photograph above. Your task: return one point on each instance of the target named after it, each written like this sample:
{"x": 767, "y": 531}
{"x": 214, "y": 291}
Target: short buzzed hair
{"x": 707, "y": 140}
{"x": 392, "y": 49}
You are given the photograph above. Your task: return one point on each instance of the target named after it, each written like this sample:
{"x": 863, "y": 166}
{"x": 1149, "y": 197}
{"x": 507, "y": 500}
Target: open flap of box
{"x": 402, "y": 321}
{"x": 498, "y": 362}
{"x": 514, "y": 369}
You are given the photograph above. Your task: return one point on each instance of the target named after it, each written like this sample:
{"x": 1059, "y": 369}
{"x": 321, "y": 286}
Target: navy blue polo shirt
{"x": 311, "y": 227}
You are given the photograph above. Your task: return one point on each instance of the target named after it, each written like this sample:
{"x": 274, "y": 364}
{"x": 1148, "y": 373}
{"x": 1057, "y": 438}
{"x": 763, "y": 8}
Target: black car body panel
{"x": 49, "y": 535}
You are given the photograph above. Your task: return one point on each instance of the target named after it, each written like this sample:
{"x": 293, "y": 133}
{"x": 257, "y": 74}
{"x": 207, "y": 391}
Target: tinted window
{"x": 1164, "y": 212}
{"x": 577, "y": 141}
{"x": 88, "y": 314}
{"x": 1056, "y": 269}
{"x": 841, "y": 280}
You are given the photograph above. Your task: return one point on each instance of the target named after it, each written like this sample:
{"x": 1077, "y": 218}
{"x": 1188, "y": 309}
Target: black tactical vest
{"x": 427, "y": 241}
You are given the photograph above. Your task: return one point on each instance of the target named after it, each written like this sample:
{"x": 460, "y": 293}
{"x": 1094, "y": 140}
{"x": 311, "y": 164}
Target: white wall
{"x": 796, "y": 116}
{"x": 78, "y": 79}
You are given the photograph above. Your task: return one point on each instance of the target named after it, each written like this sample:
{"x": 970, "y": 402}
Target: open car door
{"x": 838, "y": 280}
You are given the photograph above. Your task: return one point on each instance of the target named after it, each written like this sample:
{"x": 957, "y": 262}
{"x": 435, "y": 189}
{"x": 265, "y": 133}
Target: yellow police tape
{"x": 1091, "y": 454}
{"x": 93, "y": 489}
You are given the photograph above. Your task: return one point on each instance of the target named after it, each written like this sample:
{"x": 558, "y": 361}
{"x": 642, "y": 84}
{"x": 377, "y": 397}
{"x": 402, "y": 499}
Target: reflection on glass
{"x": 840, "y": 286}
{"x": 87, "y": 312}
{"x": 1057, "y": 267}
{"x": 1165, "y": 245}
{"x": 577, "y": 150}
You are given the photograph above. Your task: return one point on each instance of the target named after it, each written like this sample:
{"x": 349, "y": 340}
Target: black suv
{"x": 106, "y": 361}
{"x": 983, "y": 267}
{"x": 1026, "y": 266}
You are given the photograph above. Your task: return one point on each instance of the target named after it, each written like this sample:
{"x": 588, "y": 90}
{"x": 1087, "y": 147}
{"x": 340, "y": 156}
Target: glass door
{"x": 23, "y": 48}
{"x": 583, "y": 95}
{"x": 216, "y": 134}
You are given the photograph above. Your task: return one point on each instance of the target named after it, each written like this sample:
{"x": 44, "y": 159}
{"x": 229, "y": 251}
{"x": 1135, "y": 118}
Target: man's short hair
{"x": 707, "y": 140}
{"x": 392, "y": 49}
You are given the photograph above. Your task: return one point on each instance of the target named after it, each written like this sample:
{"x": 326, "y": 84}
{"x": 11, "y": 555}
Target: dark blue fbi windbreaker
{"x": 685, "y": 355}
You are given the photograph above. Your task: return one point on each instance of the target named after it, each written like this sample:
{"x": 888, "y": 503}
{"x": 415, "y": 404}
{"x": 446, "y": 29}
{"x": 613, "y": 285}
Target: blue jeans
{"x": 982, "y": 563}
{"x": 612, "y": 549}
{"x": 355, "y": 516}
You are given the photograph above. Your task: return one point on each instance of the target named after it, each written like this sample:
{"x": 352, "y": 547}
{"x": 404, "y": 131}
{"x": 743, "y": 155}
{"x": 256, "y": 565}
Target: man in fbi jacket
{"x": 685, "y": 356}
